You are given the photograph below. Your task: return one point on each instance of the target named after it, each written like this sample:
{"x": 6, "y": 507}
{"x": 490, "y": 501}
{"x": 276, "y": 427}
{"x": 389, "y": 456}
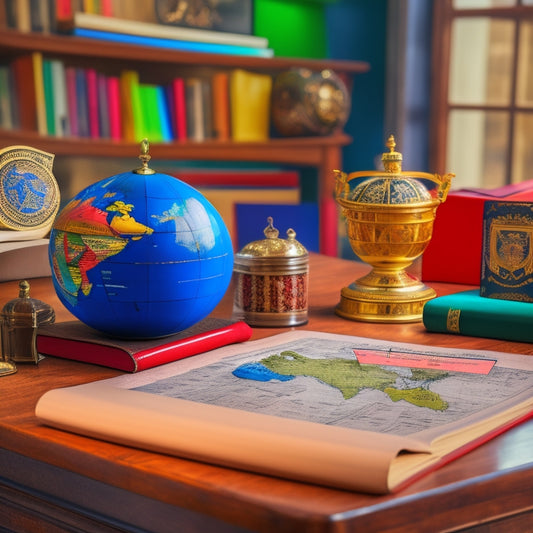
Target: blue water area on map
{"x": 258, "y": 372}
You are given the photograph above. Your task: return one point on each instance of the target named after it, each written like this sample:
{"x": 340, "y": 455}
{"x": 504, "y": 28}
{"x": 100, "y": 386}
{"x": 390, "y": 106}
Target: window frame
{"x": 444, "y": 15}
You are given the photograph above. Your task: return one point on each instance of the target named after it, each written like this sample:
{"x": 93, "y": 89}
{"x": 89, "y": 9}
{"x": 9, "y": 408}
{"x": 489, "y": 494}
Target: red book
{"x": 113, "y": 101}
{"x": 22, "y": 68}
{"x": 179, "y": 108}
{"x": 454, "y": 252}
{"x": 64, "y": 12}
{"x": 92, "y": 98}
{"x": 237, "y": 177}
{"x": 74, "y": 340}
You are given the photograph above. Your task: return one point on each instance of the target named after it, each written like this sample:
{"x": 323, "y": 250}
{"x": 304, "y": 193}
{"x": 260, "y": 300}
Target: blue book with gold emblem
{"x": 507, "y": 253}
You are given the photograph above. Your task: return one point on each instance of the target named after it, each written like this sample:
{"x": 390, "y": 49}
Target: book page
{"x": 318, "y": 407}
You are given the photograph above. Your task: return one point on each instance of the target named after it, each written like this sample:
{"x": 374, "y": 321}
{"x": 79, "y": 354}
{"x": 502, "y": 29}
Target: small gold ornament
{"x": 389, "y": 217}
{"x": 29, "y": 193}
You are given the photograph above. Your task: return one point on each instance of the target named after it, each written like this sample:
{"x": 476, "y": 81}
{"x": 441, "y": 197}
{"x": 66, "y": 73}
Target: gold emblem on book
{"x": 452, "y": 321}
{"x": 510, "y": 246}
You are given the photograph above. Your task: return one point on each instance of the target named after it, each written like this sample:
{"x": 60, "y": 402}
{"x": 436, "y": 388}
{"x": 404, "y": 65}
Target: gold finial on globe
{"x": 389, "y": 217}
{"x": 145, "y": 158}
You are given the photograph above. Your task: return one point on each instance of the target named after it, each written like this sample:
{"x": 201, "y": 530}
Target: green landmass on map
{"x": 349, "y": 377}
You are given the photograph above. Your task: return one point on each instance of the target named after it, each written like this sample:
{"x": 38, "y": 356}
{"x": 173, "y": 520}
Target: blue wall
{"x": 356, "y": 29}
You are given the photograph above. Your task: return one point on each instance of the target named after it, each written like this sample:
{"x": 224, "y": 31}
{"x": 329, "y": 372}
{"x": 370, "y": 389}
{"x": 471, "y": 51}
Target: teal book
{"x": 49, "y": 96}
{"x": 469, "y": 313}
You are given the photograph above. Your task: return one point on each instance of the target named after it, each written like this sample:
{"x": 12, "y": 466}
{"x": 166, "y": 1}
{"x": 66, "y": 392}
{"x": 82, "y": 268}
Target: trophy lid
{"x": 392, "y": 186}
{"x": 27, "y": 311}
{"x": 273, "y": 246}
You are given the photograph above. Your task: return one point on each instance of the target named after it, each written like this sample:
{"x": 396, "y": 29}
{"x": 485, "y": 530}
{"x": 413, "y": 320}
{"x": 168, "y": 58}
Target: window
{"x": 482, "y": 93}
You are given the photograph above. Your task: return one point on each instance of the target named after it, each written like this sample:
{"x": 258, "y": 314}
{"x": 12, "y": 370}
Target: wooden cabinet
{"x": 324, "y": 153}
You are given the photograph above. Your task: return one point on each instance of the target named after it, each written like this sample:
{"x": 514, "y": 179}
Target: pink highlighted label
{"x": 418, "y": 360}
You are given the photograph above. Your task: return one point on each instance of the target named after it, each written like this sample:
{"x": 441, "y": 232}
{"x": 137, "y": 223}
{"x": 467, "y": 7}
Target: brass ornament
{"x": 29, "y": 193}
{"x": 306, "y": 102}
{"x": 389, "y": 217}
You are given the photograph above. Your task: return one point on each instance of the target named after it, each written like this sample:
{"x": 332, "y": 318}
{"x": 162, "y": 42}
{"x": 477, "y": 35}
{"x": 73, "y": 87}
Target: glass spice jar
{"x": 20, "y": 319}
{"x": 271, "y": 280}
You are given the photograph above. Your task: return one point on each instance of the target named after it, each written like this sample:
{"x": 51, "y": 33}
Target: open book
{"x": 342, "y": 411}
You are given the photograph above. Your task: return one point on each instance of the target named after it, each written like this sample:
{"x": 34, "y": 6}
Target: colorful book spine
{"x": 22, "y": 68}
{"x": 60, "y": 99}
{"x": 92, "y": 101}
{"x": 127, "y": 79}
{"x": 83, "y": 103}
{"x": 164, "y": 114}
{"x": 114, "y": 108}
{"x": 250, "y": 94}
{"x": 179, "y": 108}
{"x": 103, "y": 108}
{"x": 149, "y": 126}
{"x": 6, "y": 104}
{"x": 49, "y": 97}
{"x": 195, "y": 110}
{"x": 40, "y": 103}
{"x": 221, "y": 114}
{"x": 72, "y": 101}
{"x": 469, "y": 313}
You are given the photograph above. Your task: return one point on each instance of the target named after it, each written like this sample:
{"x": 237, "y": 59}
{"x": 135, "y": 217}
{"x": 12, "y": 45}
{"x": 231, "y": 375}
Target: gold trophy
{"x": 389, "y": 217}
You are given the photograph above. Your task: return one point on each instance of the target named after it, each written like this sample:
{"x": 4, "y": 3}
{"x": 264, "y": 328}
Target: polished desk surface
{"x": 92, "y": 485}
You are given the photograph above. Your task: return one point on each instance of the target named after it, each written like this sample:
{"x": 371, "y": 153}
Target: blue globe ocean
{"x": 140, "y": 256}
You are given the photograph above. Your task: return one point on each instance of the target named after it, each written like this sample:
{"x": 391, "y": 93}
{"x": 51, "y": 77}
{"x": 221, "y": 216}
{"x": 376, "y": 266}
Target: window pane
{"x": 481, "y": 61}
{"x": 477, "y": 148}
{"x": 481, "y": 4}
{"x": 522, "y": 152}
{"x": 524, "y": 96}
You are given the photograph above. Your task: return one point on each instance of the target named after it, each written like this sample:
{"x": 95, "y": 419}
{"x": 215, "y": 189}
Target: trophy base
{"x": 390, "y": 304}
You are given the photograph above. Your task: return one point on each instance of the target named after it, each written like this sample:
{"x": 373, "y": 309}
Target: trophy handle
{"x": 342, "y": 180}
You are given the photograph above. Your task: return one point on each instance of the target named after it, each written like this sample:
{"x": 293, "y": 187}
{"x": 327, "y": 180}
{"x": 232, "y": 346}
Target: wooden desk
{"x": 55, "y": 481}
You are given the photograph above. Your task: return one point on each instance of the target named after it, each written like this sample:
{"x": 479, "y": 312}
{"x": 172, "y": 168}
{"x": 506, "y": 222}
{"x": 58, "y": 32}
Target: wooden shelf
{"x": 66, "y": 46}
{"x": 324, "y": 153}
{"x": 294, "y": 150}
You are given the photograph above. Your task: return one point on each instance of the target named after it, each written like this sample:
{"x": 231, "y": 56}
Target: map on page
{"x": 347, "y": 382}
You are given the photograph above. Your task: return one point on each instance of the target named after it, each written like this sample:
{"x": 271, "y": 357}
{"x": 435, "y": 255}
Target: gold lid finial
{"x": 270, "y": 231}
{"x": 144, "y": 157}
{"x": 24, "y": 289}
{"x": 392, "y": 160}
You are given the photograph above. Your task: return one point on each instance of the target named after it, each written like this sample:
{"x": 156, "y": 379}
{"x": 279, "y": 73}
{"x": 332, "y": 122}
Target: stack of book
{"x": 47, "y": 95}
{"x": 502, "y": 306}
{"x": 136, "y": 24}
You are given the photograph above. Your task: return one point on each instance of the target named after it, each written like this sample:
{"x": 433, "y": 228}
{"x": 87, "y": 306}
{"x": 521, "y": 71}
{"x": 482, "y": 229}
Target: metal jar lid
{"x": 272, "y": 253}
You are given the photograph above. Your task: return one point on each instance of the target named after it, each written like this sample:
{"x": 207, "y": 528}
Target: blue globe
{"x": 140, "y": 256}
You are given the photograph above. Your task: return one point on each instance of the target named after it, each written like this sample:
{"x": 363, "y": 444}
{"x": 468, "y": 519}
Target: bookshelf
{"x": 323, "y": 153}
